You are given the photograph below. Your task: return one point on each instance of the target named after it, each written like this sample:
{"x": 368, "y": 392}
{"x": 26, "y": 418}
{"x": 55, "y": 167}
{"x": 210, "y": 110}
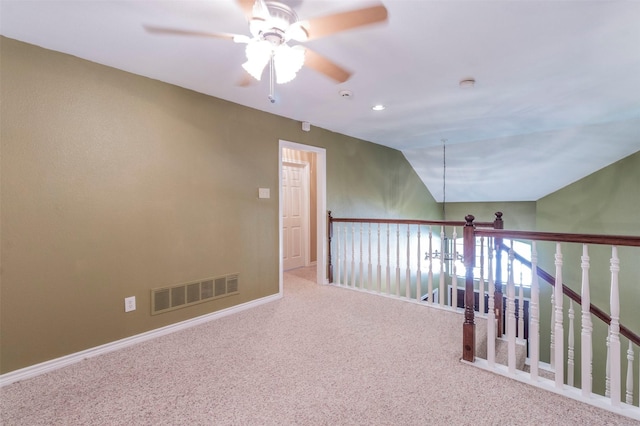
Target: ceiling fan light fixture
{"x": 254, "y": 69}
{"x": 257, "y": 26}
{"x": 287, "y": 62}
{"x": 272, "y": 24}
{"x": 241, "y": 38}
{"x": 297, "y": 32}
{"x": 258, "y": 55}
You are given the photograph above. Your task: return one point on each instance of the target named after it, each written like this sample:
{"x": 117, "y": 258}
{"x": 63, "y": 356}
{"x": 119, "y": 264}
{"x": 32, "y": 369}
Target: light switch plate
{"x": 129, "y": 304}
{"x": 264, "y": 193}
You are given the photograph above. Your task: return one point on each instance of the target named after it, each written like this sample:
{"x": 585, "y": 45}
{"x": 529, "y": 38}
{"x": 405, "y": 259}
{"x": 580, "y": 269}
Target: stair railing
{"x": 563, "y": 379}
{"x": 412, "y": 259}
{"x": 391, "y": 257}
{"x": 571, "y": 294}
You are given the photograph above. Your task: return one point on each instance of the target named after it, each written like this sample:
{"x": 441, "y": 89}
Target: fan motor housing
{"x": 281, "y": 12}
{"x": 274, "y": 36}
{"x": 281, "y": 18}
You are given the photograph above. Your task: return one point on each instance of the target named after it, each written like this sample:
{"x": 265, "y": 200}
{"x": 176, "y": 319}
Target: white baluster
{"x": 491, "y": 315}
{"x": 587, "y": 328}
{"x": 481, "y": 303}
{"x": 521, "y": 310}
{"x": 511, "y": 315}
{"x": 534, "y": 317}
{"x": 571, "y": 344}
{"x": 388, "y": 270}
{"x": 430, "y": 277}
{"x": 379, "y": 267}
{"x": 629, "y": 391}
{"x": 441, "y": 291}
{"x": 353, "y": 255}
{"x": 361, "y": 266}
{"x": 607, "y": 376}
{"x": 370, "y": 265}
{"x": 454, "y": 272}
{"x": 552, "y": 346}
{"x": 345, "y": 279}
{"x": 407, "y": 285}
{"x": 559, "y": 330}
{"x": 398, "y": 260}
{"x": 614, "y": 336}
{"x": 418, "y": 272}
{"x": 338, "y": 259}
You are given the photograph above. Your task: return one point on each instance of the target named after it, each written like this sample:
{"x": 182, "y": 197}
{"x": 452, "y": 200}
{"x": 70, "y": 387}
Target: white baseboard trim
{"x": 54, "y": 364}
{"x": 596, "y": 400}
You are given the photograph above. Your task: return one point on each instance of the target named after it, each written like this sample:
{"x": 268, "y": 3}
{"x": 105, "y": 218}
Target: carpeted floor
{"x": 320, "y": 356}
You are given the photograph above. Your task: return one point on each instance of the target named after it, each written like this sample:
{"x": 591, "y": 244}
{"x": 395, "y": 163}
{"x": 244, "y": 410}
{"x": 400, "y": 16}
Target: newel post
{"x": 498, "y": 295}
{"x": 329, "y": 237}
{"x": 469, "y": 326}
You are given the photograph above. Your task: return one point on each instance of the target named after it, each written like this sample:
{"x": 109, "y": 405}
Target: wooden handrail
{"x": 571, "y": 294}
{"x": 412, "y": 222}
{"x": 614, "y": 240}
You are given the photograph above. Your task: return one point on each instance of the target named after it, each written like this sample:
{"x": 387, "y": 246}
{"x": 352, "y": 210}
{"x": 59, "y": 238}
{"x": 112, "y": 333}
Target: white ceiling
{"x": 557, "y": 94}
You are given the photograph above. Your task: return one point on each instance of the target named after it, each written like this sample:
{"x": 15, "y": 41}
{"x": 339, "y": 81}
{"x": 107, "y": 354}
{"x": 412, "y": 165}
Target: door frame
{"x": 321, "y": 208}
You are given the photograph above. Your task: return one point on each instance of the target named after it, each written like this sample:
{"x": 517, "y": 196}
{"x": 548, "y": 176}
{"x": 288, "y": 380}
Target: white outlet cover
{"x": 130, "y": 304}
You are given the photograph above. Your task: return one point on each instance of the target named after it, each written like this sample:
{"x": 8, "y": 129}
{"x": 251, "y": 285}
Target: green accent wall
{"x": 520, "y": 215}
{"x": 113, "y": 184}
{"x": 605, "y": 202}
{"x": 385, "y": 188}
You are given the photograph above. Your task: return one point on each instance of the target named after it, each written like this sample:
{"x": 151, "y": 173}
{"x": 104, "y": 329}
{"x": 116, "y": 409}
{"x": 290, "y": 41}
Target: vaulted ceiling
{"x": 557, "y": 92}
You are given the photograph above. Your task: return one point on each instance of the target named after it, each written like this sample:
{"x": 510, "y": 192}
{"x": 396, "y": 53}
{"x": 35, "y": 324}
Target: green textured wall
{"x": 113, "y": 184}
{"x": 519, "y": 215}
{"x": 379, "y": 190}
{"x": 605, "y": 202}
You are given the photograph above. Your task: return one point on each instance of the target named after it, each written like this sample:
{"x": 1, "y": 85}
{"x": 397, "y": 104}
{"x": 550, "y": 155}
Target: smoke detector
{"x": 467, "y": 83}
{"x": 346, "y": 94}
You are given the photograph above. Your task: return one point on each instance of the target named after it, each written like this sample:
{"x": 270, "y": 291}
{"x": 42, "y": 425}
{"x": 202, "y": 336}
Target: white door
{"x": 294, "y": 215}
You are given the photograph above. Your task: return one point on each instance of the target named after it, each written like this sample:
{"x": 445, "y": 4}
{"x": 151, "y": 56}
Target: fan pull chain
{"x": 272, "y": 74}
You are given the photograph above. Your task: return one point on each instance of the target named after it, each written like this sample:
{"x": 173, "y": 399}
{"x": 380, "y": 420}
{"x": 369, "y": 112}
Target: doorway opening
{"x": 302, "y": 208}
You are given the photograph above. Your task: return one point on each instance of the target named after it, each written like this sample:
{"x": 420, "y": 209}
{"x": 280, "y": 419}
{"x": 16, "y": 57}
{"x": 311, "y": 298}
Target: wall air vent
{"x": 177, "y": 296}
{"x": 221, "y": 286}
{"x": 232, "y": 284}
{"x": 167, "y": 299}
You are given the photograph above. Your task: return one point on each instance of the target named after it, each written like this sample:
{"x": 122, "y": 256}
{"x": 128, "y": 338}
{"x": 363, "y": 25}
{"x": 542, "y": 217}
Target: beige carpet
{"x": 320, "y": 356}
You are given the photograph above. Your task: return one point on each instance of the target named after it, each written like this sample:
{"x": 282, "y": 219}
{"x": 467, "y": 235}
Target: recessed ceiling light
{"x": 378, "y": 107}
{"x": 467, "y": 83}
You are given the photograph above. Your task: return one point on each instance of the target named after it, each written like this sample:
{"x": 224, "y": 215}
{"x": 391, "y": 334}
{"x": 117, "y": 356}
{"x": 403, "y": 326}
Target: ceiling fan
{"x": 273, "y": 25}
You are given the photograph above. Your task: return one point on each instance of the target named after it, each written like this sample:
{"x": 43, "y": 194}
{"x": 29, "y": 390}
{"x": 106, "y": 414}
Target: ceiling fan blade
{"x": 246, "y": 80}
{"x": 247, "y": 7}
{"x": 176, "y": 31}
{"x": 325, "y": 66}
{"x": 330, "y": 24}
